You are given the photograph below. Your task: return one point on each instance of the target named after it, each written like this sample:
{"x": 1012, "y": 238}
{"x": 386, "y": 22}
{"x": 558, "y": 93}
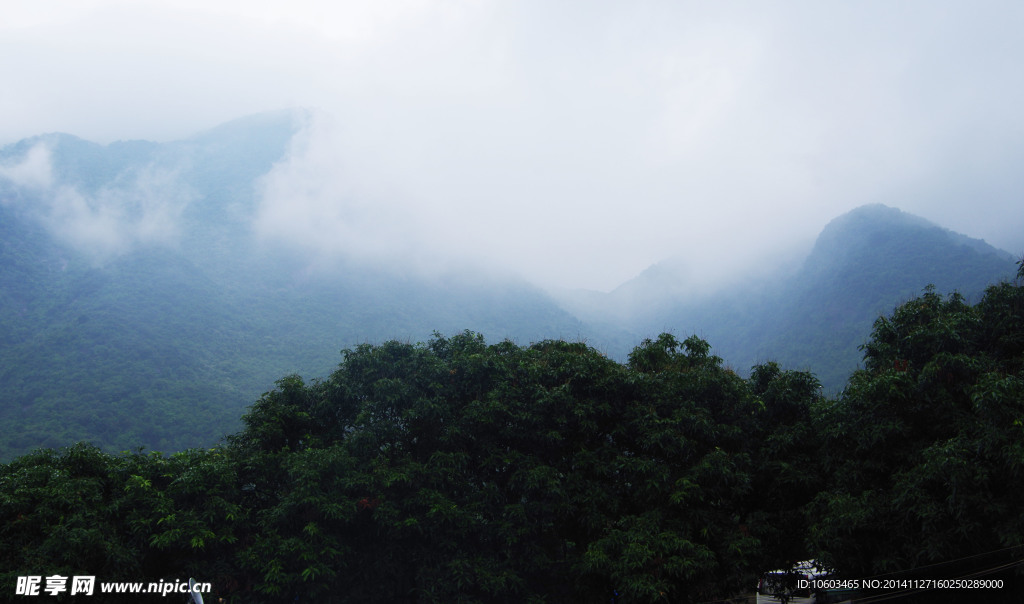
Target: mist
{"x": 139, "y": 207}
{"x": 576, "y": 145}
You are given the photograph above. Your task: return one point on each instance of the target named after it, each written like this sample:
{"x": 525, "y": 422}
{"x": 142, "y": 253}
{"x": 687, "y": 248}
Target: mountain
{"x": 863, "y": 265}
{"x": 137, "y": 307}
{"x": 814, "y": 317}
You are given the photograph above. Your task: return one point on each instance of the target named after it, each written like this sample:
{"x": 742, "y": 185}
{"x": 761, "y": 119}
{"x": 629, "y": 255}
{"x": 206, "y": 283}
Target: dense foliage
{"x": 461, "y": 471}
{"x": 924, "y": 450}
{"x": 452, "y": 471}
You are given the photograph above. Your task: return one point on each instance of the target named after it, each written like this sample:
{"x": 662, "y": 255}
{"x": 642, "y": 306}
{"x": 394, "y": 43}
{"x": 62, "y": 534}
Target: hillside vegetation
{"x": 141, "y": 306}
{"x": 163, "y": 341}
{"x": 461, "y": 471}
{"x": 814, "y": 317}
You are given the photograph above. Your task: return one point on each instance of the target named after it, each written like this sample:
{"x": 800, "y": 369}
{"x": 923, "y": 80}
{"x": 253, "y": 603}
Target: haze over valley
{"x": 153, "y": 290}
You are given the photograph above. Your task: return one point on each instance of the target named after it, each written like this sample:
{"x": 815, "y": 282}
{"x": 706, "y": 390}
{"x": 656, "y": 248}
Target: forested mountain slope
{"x": 862, "y": 265}
{"x": 137, "y": 307}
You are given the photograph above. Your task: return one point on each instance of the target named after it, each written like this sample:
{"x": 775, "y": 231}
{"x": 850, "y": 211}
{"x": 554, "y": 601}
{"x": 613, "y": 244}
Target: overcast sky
{"x": 574, "y": 142}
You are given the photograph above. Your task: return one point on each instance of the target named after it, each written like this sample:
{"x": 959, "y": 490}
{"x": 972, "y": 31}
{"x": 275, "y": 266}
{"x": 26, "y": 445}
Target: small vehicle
{"x": 793, "y": 586}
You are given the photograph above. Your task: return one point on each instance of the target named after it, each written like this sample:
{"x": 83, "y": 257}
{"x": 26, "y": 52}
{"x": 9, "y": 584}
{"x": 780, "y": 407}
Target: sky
{"x": 575, "y": 143}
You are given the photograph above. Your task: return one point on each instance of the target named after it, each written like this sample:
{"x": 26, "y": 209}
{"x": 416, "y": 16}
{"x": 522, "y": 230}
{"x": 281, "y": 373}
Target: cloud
{"x": 313, "y": 200}
{"x": 144, "y": 211}
{"x": 577, "y": 143}
{"x": 138, "y": 208}
{"x": 32, "y": 172}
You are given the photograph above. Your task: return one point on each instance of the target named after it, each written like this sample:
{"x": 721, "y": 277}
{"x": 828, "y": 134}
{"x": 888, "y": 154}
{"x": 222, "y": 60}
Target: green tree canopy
{"x": 925, "y": 447}
{"x": 463, "y": 471}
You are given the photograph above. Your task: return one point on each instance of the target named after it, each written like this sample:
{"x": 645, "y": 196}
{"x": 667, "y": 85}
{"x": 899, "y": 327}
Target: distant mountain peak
{"x": 887, "y": 238}
{"x": 283, "y": 122}
{"x": 875, "y": 215}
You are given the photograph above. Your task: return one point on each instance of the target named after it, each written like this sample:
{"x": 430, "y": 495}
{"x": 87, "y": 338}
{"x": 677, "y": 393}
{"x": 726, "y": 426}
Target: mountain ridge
{"x": 814, "y": 315}
{"x": 165, "y": 340}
